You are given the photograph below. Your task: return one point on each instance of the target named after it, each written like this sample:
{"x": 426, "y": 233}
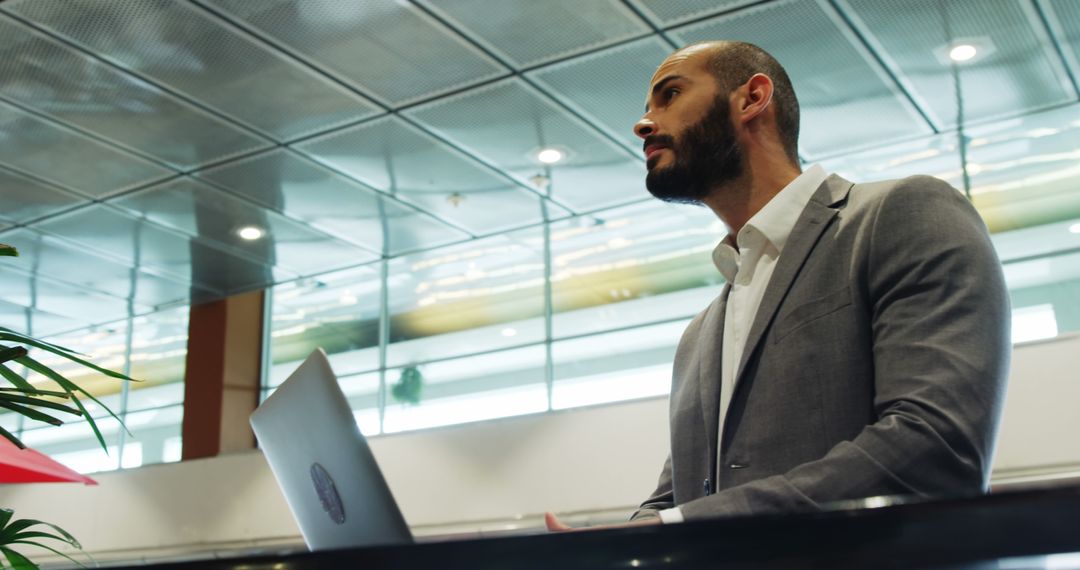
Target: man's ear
{"x": 754, "y": 97}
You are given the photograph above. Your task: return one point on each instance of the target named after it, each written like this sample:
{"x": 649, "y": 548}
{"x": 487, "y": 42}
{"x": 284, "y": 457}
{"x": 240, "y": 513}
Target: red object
{"x": 29, "y": 466}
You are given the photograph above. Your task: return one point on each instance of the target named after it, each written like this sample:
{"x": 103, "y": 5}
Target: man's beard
{"x": 706, "y": 156}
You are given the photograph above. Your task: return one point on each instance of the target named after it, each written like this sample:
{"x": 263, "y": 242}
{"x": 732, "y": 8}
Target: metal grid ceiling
{"x": 136, "y": 136}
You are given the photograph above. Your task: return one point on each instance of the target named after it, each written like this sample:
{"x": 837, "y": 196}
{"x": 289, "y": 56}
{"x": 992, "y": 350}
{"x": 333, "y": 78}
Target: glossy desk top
{"x": 1019, "y": 528}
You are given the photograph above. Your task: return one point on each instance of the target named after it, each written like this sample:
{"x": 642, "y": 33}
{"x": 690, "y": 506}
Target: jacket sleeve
{"x": 941, "y": 345}
{"x": 662, "y": 498}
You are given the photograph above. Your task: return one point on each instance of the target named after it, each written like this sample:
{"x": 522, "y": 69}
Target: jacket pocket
{"x": 806, "y": 313}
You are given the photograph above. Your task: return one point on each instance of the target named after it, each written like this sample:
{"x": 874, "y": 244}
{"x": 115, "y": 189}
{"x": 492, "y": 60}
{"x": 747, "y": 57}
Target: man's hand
{"x": 555, "y": 525}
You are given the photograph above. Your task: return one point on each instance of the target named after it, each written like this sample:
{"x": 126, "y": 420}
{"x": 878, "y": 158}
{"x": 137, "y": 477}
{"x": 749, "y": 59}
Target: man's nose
{"x": 644, "y": 127}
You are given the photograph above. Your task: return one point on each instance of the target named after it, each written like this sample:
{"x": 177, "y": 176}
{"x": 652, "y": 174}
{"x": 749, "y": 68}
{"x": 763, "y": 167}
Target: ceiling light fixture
{"x": 250, "y": 233}
{"x": 509, "y": 332}
{"x": 1075, "y": 228}
{"x": 549, "y": 155}
{"x": 962, "y": 52}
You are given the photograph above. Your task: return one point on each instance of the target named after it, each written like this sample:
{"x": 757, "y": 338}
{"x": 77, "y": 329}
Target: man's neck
{"x": 736, "y": 201}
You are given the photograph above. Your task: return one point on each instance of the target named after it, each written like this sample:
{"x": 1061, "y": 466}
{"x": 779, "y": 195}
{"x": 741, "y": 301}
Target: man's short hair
{"x": 734, "y": 63}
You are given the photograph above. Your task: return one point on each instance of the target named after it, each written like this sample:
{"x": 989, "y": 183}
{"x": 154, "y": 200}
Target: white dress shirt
{"x": 748, "y": 269}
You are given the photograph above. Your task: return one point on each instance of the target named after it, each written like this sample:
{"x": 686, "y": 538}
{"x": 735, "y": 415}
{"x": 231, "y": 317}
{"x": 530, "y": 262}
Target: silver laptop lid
{"x": 323, "y": 464}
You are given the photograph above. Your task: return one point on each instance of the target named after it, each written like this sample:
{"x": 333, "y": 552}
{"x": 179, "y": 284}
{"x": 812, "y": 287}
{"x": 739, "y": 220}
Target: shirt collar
{"x": 776, "y": 219}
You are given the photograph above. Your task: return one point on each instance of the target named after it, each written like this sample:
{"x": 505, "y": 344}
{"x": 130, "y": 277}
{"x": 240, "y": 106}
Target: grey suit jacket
{"x": 875, "y": 365}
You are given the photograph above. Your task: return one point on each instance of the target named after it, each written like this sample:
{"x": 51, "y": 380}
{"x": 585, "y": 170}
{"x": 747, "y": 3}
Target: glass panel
{"x": 629, "y": 266}
{"x": 502, "y": 384}
{"x": 362, "y": 390}
{"x": 74, "y": 444}
{"x": 156, "y": 432}
{"x": 616, "y": 366}
{"x": 338, "y": 312}
{"x": 484, "y": 295}
{"x": 158, "y": 358}
{"x": 1045, "y": 292}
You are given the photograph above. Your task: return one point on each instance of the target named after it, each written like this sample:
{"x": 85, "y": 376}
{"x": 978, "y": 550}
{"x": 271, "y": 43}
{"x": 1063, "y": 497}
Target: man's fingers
{"x": 554, "y": 524}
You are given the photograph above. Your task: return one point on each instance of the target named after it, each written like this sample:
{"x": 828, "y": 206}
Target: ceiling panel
{"x": 666, "y": 13}
{"x": 34, "y": 145}
{"x": 307, "y": 191}
{"x": 45, "y": 295}
{"x": 839, "y": 87}
{"x": 398, "y": 159}
{"x": 1014, "y": 70}
{"x": 70, "y": 264}
{"x": 58, "y": 81}
{"x": 41, "y": 323}
{"x": 181, "y": 46}
{"x": 526, "y": 32}
{"x": 390, "y": 50}
{"x": 204, "y": 212}
{"x": 508, "y": 122}
{"x": 26, "y": 199}
{"x": 609, "y": 86}
{"x": 1064, "y": 19}
{"x": 144, "y": 244}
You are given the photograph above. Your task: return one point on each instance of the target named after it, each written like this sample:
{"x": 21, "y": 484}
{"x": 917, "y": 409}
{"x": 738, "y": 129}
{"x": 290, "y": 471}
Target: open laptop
{"x": 323, "y": 464}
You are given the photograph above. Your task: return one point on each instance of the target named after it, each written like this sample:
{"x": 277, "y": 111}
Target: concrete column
{"x": 221, "y": 381}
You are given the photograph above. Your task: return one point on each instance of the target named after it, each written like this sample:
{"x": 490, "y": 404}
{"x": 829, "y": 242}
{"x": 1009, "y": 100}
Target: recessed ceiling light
{"x": 250, "y": 233}
{"x": 509, "y": 332}
{"x": 962, "y": 52}
{"x": 1075, "y": 228}
{"x": 549, "y": 155}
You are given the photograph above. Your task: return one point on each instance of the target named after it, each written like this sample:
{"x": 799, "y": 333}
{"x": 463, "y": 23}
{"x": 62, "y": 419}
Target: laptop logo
{"x": 328, "y": 495}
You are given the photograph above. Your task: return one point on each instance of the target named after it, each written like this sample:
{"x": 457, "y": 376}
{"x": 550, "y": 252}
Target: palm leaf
{"x": 71, "y": 387}
{"x": 15, "y": 378}
{"x": 5, "y": 516}
{"x": 11, "y": 437}
{"x": 50, "y": 549}
{"x": 36, "y": 392}
{"x": 93, "y": 424}
{"x": 21, "y": 532}
{"x": 8, "y": 250}
{"x": 18, "y": 561}
{"x": 11, "y": 353}
{"x": 9, "y": 335}
{"x": 31, "y": 413}
{"x": 17, "y": 399}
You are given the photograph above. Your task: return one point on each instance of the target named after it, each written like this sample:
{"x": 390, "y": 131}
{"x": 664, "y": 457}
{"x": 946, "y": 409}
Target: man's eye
{"x": 670, "y": 93}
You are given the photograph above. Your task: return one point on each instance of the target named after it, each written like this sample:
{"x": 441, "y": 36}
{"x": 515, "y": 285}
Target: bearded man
{"x": 861, "y": 343}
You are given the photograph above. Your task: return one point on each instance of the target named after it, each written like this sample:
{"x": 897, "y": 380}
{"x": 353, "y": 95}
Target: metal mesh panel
{"x": 527, "y": 32}
{"x": 56, "y": 80}
{"x": 1016, "y": 72}
{"x": 76, "y": 266}
{"x": 391, "y": 156}
{"x": 204, "y": 212}
{"x": 1065, "y": 20}
{"x": 142, "y": 243}
{"x": 192, "y": 52}
{"x": 26, "y": 199}
{"x": 845, "y": 102}
{"x": 609, "y": 86}
{"x": 671, "y": 12}
{"x": 388, "y": 49}
{"x": 331, "y": 202}
{"x": 33, "y": 145}
{"x": 507, "y": 123}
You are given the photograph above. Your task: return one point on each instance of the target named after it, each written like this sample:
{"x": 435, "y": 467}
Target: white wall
{"x": 595, "y": 462}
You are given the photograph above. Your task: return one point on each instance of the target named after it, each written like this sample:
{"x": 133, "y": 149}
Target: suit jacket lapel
{"x": 804, "y": 236}
{"x": 710, "y": 351}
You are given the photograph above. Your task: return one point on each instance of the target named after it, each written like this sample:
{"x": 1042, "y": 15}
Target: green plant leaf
{"x": 71, "y": 388}
{"x": 31, "y": 413}
{"x": 93, "y": 424}
{"x": 18, "y": 561}
{"x": 19, "y": 337}
{"x": 36, "y": 392}
{"x": 15, "y": 378}
{"x": 53, "y": 550}
{"x": 17, "y": 399}
{"x": 8, "y": 250}
{"x": 15, "y": 530}
{"x": 5, "y": 516}
{"x": 11, "y": 353}
{"x": 11, "y": 437}
{"x": 86, "y": 363}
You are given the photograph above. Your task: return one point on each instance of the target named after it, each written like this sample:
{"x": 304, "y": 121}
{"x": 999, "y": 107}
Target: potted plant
{"x": 37, "y": 404}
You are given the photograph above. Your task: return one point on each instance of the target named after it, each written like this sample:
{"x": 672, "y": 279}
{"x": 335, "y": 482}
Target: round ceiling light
{"x": 549, "y": 155}
{"x": 1075, "y": 228}
{"x": 962, "y": 52}
{"x": 250, "y": 233}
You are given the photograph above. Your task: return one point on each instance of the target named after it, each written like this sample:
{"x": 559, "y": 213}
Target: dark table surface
{"x": 1014, "y": 530}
